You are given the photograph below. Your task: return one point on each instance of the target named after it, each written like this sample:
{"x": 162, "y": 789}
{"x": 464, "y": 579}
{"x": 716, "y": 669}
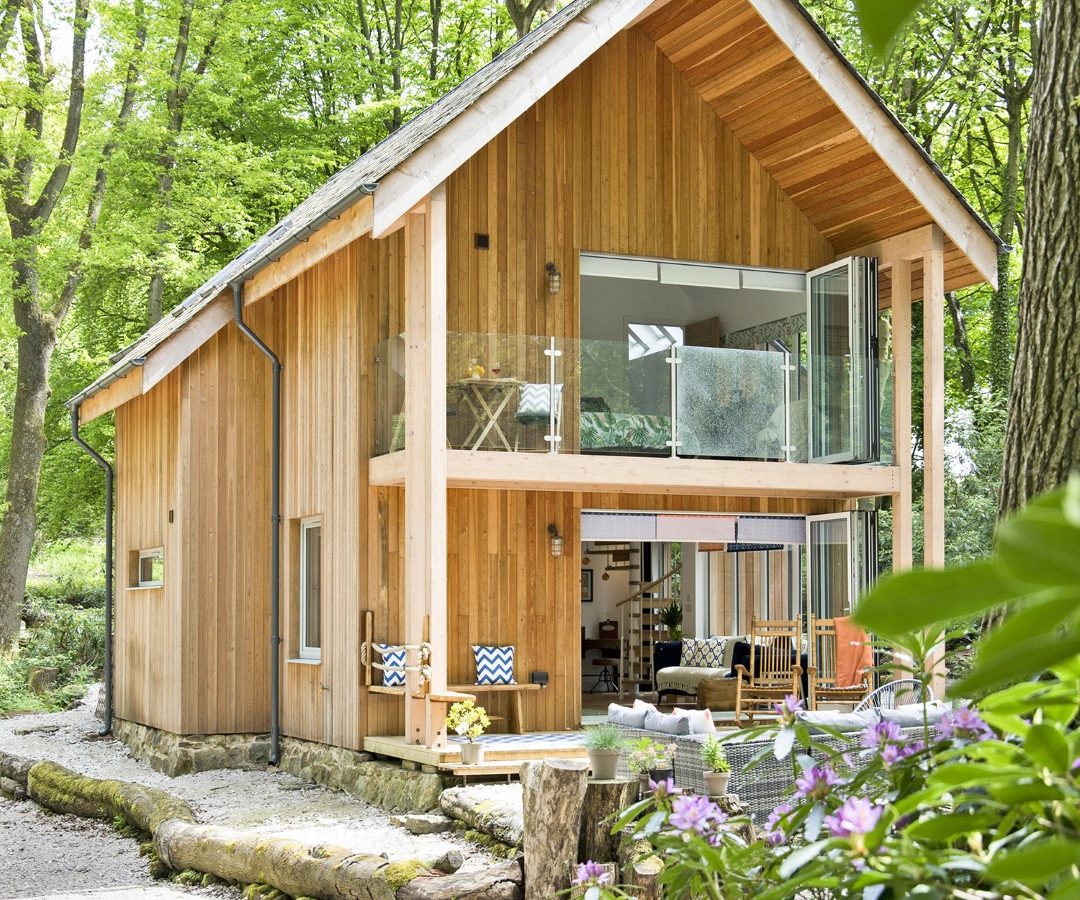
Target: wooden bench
{"x": 517, "y": 706}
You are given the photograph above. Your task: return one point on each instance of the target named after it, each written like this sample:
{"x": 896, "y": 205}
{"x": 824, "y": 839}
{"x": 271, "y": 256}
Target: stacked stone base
{"x": 390, "y": 786}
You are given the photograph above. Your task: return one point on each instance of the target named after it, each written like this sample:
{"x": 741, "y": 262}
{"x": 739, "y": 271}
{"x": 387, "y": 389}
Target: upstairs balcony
{"x": 518, "y": 405}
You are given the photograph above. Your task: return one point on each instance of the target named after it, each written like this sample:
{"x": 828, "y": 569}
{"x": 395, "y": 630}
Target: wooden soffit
{"x": 794, "y": 103}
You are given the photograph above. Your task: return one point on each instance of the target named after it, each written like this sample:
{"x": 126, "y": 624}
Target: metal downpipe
{"x": 275, "y": 522}
{"x": 107, "y": 468}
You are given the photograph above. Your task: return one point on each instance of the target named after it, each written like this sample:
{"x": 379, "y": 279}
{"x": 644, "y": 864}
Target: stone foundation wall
{"x": 395, "y": 787}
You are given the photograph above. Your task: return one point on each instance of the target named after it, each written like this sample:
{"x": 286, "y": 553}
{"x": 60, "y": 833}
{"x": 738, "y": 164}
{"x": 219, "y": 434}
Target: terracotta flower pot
{"x": 717, "y": 783}
{"x": 604, "y": 764}
{"x": 472, "y": 754}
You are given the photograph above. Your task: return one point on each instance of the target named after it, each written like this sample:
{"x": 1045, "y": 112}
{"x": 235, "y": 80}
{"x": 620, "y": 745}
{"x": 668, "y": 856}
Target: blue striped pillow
{"x": 494, "y": 665}
{"x": 392, "y": 658}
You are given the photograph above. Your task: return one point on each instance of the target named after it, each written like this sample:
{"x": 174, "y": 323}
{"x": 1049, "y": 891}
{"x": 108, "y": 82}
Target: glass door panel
{"x": 842, "y": 348}
{"x": 829, "y": 554}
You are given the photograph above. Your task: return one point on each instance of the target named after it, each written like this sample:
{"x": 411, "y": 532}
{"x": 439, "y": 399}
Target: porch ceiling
{"x": 781, "y": 112}
{"x": 484, "y": 469}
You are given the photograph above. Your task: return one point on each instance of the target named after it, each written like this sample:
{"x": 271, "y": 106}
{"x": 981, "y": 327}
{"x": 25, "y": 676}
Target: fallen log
{"x": 293, "y": 868}
{"x": 505, "y": 882}
{"x": 15, "y": 767}
{"x": 64, "y": 791}
{"x": 552, "y": 794}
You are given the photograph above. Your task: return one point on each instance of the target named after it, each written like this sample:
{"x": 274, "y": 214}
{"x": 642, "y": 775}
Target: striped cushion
{"x": 494, "y": 665}
{"x": 535, "y": 401}
{"x": 392, "y": 658}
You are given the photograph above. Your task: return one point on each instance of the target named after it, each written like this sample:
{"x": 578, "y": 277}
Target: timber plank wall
{"x": 623, "y": 157}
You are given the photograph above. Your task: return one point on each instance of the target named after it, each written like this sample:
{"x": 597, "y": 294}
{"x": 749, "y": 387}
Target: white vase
{"x": 472, "y": 754}
{"x": 717, "y": 783}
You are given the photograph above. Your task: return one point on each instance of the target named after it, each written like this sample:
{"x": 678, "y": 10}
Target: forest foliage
{"x": 207, "y": 120}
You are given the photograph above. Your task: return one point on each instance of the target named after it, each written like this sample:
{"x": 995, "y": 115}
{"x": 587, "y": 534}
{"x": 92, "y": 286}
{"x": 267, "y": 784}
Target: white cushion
{"x": 818, "y": 721}
{"x": 701, "y": 720}
{"x": 625, "y": 715}
{"x": 685, "y": 678}
{"x": 910, "y": 715}
{"x": 642, "y": 707}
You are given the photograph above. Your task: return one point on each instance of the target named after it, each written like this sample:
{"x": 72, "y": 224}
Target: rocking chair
{"x": 774, "y": 668}
{"x": 840, "y": 662}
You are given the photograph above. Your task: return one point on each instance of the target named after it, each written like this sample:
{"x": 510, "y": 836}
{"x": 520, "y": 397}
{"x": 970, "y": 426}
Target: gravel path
{"x": 52, "y": 855}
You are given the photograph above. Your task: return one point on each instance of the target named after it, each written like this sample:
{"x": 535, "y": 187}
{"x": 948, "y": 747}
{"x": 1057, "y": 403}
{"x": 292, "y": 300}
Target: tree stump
{"x": 43, "y": 679}
{"x": 640, "y": 867}
{"x": 553, "y": 791}
{"x": 503, "y": 882}
{"x": 604, "y": 801}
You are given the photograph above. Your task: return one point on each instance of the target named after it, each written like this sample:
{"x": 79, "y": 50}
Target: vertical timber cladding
{"x": 622, "y": 157}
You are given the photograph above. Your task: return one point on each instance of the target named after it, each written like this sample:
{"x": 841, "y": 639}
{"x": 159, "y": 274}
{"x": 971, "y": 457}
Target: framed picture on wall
{"x": 586, "y": 585}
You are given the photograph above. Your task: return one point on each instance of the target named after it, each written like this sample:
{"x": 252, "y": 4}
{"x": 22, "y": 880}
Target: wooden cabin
{"x": 649, "y": 276}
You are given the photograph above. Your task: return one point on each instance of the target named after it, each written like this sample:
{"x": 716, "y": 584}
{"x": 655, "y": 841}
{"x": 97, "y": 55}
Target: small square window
{"x": 151, "y": 569}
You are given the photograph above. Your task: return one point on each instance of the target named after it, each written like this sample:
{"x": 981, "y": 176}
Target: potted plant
{"x": 651, "y": 761}
{"x": 671, "y": 617}
{"x": 717, "y": 767}
{"x": 605, "y": 744}
{"x": 468, "y": 720}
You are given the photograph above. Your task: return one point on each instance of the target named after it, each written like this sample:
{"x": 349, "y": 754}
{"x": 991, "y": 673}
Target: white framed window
{"x": 311, "y": 588}
{"x": 150, "y": 567}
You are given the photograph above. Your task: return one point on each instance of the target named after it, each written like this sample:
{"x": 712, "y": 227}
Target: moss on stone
{"x": 399, "y": 874}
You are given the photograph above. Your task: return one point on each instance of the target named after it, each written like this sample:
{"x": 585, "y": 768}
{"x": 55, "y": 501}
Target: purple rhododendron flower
{"x": 881, "y": 734}
{"x": 695, "y": 813}
{"x": 787, "y": 708}
{"x": 591, "y": 873}
{"x": 858, "y": 816}
{"x": 1075, "y": 765}
{"x": 963, "y": 724}
{"x": 816, "y": 783}
{"x": 774, "y": 835}
{"x": 664, "y": 788}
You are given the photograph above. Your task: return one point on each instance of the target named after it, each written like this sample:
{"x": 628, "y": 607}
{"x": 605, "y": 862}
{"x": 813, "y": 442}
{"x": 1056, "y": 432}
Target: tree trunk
{"x": 552, "y": 795}
{"x": 604, "y": 800}
{"x": 37, "y": 340}
{"x": 504, "y": 882}
{"x": 1042, "y": 443}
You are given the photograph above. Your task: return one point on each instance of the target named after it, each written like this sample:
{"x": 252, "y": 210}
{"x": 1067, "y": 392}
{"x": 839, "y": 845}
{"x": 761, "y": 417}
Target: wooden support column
{"x": 934, "y": 424}
{"x": 934, "y": 404}
{"x": 901, "y": 346}
{"x": 425, "y": 460}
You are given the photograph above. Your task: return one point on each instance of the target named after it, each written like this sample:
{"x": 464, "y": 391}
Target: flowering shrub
{"x": 646, "y": 754}
{"x": 986, "y": 804}
{"x": 466, "y": 719}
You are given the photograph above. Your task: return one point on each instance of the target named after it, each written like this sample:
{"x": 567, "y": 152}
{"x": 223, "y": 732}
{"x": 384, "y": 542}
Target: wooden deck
{"x": 503, "y": 753}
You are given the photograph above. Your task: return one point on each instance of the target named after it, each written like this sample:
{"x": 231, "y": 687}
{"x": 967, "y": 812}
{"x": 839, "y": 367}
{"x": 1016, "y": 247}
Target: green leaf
{"x": 1026, "y": 792}
{"x": 915, "y": 600}
{"x": 950, "y": 826}
{"x": 799, "y": 858}
{"x": 1018, "y": 663}
{"x": 1070, "y": 505}
{"x": 1038, "y": 545}
{"x": 1048, "y": 747}
{"x": 1040, "y": 616}
{"x": 882, "y": 20}
{"x": 1035, "y": 863}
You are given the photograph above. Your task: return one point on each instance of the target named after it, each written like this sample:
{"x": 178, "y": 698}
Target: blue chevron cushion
{"x": 494, "y": 665}
{"x": 392, "y": 658}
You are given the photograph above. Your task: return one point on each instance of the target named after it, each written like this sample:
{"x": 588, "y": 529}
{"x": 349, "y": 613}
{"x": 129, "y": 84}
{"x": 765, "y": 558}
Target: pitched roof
{"x": 386, "y": 159}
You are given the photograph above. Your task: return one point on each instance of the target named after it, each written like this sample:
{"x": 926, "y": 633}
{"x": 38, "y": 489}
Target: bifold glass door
{"x": 841, "y": 561}
{"x": 842, "y": 319}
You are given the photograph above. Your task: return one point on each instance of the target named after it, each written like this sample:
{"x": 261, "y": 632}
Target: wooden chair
{"x": 826, "y": 660}
{"x": 774, "y": 669}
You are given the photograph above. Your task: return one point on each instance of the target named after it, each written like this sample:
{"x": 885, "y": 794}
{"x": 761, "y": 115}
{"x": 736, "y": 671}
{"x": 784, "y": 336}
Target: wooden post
{"x": 934, "y": 421}
{"x": 901, "y": 341}
{"x": 425, "y": 457}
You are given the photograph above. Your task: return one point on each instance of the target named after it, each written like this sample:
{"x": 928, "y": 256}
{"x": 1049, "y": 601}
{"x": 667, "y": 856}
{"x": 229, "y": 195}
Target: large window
{"x": 311, "y": 588}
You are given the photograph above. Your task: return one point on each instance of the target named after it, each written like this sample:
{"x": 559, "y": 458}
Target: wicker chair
{"x": 774, "y": 668}
{"x": 885, "y": 697}
{"x": 822, "y": 668}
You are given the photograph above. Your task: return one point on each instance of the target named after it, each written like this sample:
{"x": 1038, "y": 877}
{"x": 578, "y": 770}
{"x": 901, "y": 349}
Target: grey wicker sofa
{"x": 762, "y": 788}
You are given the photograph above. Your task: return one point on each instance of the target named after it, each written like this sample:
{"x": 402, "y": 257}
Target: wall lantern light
{"x": 556, "y": 541}
{"x": 554, "y": 278}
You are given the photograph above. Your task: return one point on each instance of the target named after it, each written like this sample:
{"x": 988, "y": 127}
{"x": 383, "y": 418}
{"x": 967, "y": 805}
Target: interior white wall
{"x": 609, "y": 304}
